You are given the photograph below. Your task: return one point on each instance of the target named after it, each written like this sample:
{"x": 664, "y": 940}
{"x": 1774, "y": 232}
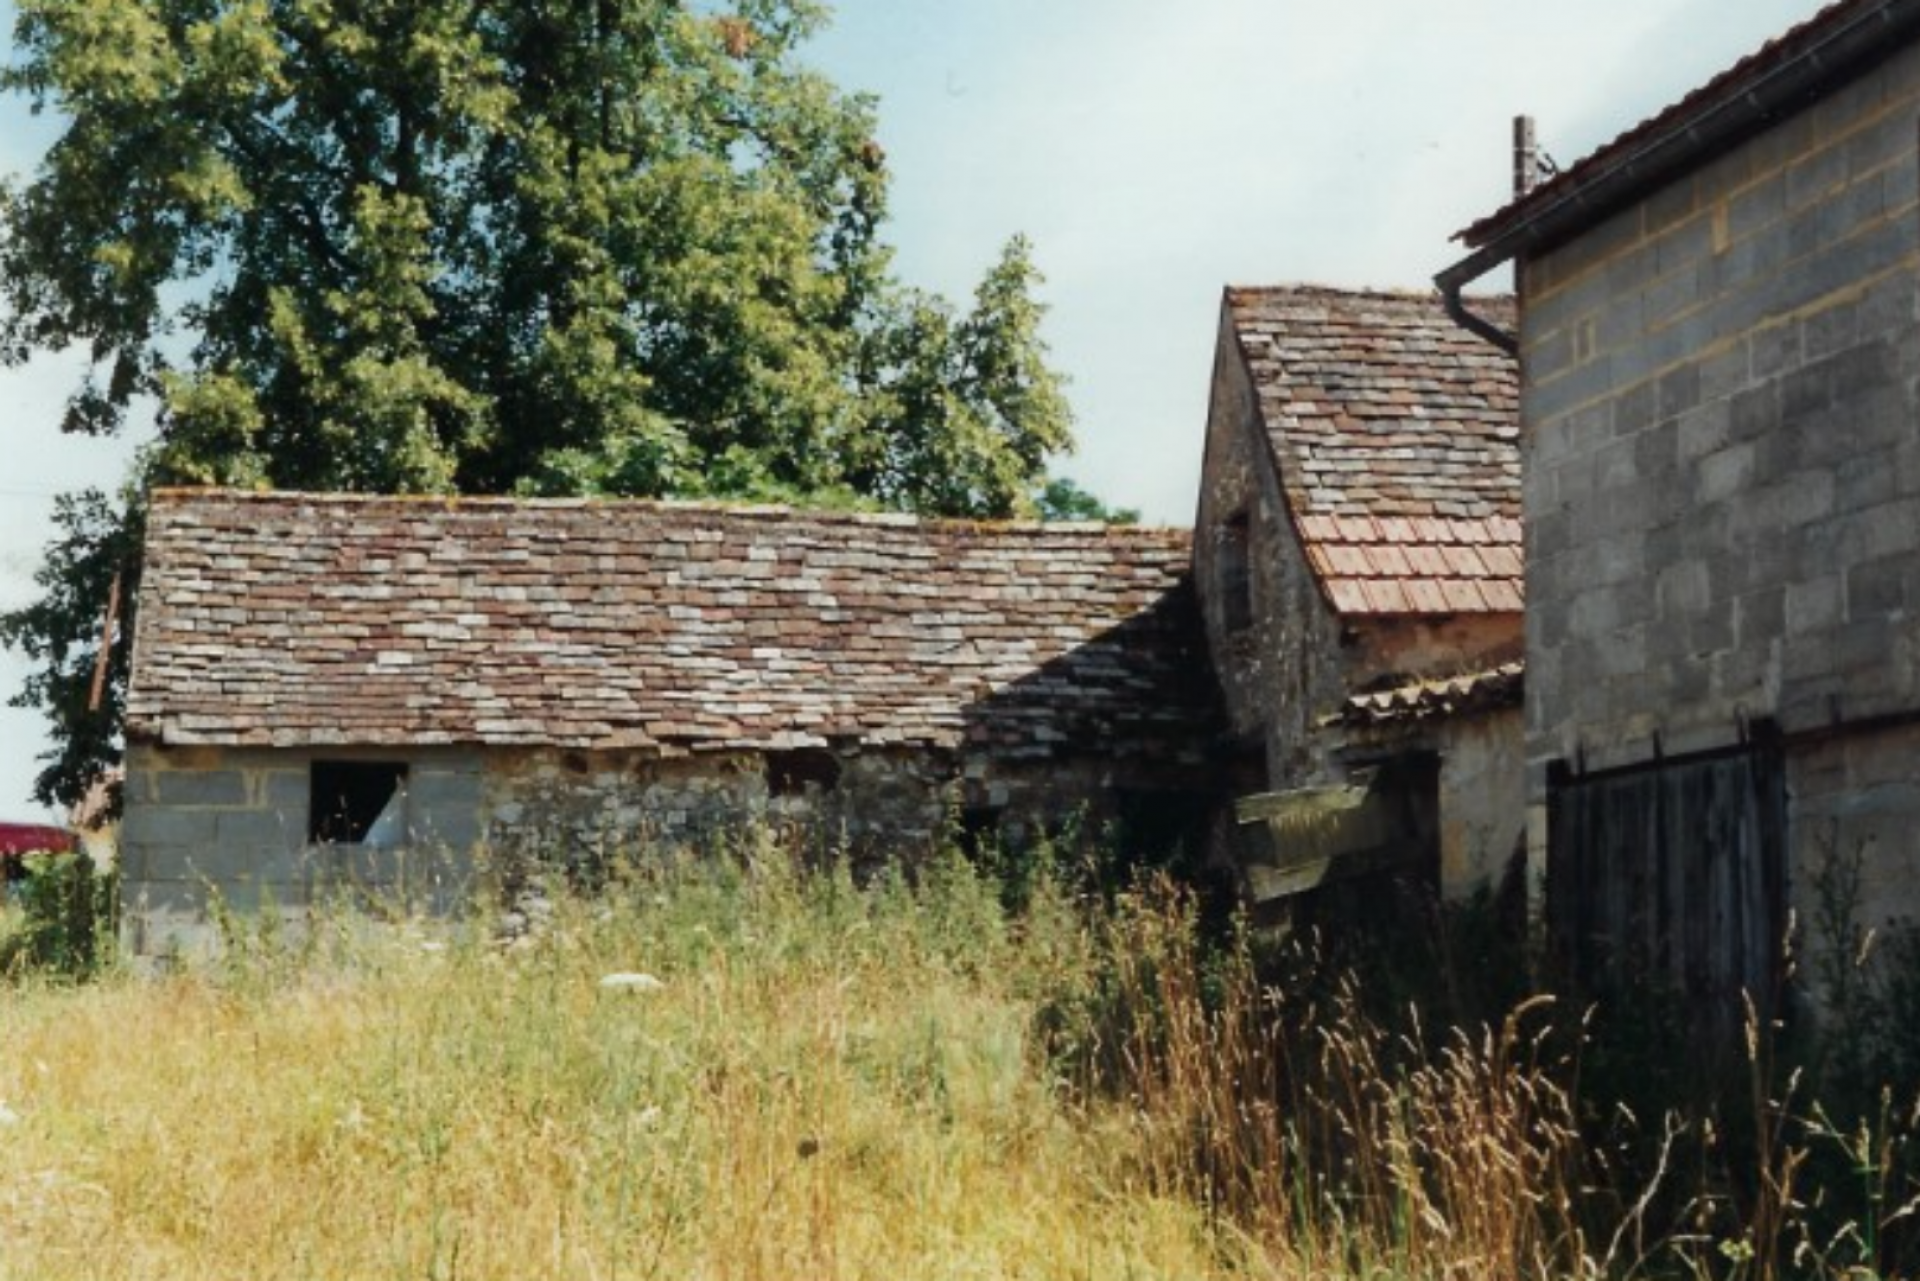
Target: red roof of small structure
{"x": 32, "y": 838}
{"x": 1396, "y": 436}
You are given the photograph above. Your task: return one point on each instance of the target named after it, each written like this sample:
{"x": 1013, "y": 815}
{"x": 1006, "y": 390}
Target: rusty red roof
{"x": 294, "y": 620}
{"x": 17, "y": 839}
{"x": 1396, "y": 437}
{"x": 1746, "y": 96}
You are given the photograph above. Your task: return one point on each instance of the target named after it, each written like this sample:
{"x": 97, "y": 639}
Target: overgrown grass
{"x": 815, "y": 1079}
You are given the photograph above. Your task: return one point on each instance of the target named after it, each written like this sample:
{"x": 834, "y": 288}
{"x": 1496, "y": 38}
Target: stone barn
{"x": 1357, "y": 551}
{"x": 335, "y": 691}
{"x": 1720, "y": 333}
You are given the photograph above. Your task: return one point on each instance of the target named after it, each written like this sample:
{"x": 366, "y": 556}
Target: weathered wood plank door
{"x": 1672, "y": 874}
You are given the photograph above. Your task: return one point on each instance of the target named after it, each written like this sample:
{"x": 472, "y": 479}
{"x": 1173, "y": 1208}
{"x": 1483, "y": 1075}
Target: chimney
{"x": 1526, "y": 157}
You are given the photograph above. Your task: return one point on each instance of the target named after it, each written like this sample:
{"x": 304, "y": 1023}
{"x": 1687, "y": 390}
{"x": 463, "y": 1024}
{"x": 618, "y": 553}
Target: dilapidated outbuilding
{"x": 1357, "y": 551}
{"x": 333, "y": 690}
{"x": 1720, "y": 327}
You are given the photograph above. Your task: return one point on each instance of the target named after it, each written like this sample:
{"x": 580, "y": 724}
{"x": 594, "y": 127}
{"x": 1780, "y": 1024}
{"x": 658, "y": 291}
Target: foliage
{"x": 67, "y": 912}
{"x": 61, "y": 632}
{"x": 572, "y": 247}
{"x": 1062, "y": 499}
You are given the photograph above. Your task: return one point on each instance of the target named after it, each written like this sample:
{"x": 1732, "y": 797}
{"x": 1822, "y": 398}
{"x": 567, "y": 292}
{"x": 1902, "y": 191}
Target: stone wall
{"x": 1723, "y": 470}
{"x": 1482, "y": 787}
{"x": 1294, "y": 661}
{"x": 1282, "y": 671}
{"x": 230, "y": 826}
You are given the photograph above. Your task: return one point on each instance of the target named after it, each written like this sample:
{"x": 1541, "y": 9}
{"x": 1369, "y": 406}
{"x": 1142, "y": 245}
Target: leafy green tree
{"x": 552, "y": 246}
{"x": 1061, "y": 499}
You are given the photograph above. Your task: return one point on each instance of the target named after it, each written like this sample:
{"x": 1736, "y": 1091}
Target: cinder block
{"x": 256, "y": 828}
{"x": 1623, "y": 654}
{"x": 1813, "y": 606}
{"x": 1830, "y": 330}
{"x": 1669, "y": 297}
{"x": 1619, "y": 322}
{"x": 1758, "y": 520}
{"x": 1548, "y": 354}
{"x": 1583, "y": 383}
{"x": 1725, "y": 473}
{"x": 1703, "y": 431}
{"x": 1759, "y": 617}
{"x": 1877, "y": 589}
{"x": 154, "y": 825}
{"x": 1884, "y": 759}
{"x": 432, "y": 791}
{"x": 1616, "y": 467}
{"x": 201, "y": 787}
{"x": 1682, "y": 589}
{"x": 1672, "y": 208}
{"x": 288, "y": 792}
{"x": 1864, "y": 483}
{"x": 447, "y": 826}
{"x": 1756, "y": 207}
{"x": 1710, "y": 633}
{"x": 253, "y": 864}
{"x": 1814, "y": 177}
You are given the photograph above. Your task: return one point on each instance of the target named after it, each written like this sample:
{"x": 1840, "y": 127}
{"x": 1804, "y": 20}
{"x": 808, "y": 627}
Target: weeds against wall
{"x": 910, "y": 1077}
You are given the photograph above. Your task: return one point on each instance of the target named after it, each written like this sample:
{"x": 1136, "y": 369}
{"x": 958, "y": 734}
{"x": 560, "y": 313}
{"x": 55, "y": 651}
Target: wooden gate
{"x": 1672, "y": 874}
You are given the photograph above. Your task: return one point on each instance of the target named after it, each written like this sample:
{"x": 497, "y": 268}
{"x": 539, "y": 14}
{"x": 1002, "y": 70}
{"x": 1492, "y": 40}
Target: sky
{"x": 1154, "y": 154}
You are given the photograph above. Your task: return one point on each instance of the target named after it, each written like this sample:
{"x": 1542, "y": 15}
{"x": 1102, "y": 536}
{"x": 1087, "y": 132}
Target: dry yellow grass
{"x": 824, "y": 1086}
{"x": 819, "y": 1081}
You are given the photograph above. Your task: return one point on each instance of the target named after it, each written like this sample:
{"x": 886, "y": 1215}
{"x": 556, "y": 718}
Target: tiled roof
{"x": 1396, "y": 435}
{"x": 1838, "y": 38}
{"x": 1425, "y": 699}
{"x": 290, "y": 619}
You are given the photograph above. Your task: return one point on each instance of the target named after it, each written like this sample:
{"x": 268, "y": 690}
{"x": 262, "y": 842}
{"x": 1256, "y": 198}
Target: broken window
{"x": 357, "y": 803}
{"x": 1235, "y": 573}
{"x": 792, "y": 771}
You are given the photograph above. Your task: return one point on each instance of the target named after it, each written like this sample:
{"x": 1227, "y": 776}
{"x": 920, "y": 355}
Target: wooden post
{"x": 106, "y": 645}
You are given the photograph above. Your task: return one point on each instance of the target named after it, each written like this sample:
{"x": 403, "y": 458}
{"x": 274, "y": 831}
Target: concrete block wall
{"x": 215, "y": 826}
{"x": 1855, "y": 798}
{"x": 1722, "y": 475}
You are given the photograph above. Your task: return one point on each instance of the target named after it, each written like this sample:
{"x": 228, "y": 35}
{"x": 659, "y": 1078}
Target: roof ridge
{"x": 187, "y": 494}
{"x": 1396, "y": 293}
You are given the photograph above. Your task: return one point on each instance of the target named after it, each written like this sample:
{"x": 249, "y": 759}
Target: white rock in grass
{"x": 631, "y": 982}
{"x": 8, "y": 1116}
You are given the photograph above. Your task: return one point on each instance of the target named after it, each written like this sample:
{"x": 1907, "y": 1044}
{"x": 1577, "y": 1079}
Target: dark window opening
{"x": 1236, "y": 576}
{"x": 347, "y": 799}
{"x": 791, "y": 772}
{"x": 978, "y": 830}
